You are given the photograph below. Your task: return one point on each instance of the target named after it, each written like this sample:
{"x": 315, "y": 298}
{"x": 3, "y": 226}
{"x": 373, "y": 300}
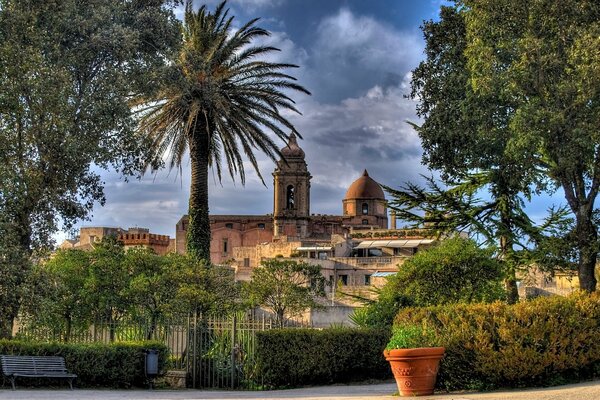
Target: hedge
{"x": 107, "y": 365}
{"x": 297, "y": 357}
{"x": 540, "y": 342}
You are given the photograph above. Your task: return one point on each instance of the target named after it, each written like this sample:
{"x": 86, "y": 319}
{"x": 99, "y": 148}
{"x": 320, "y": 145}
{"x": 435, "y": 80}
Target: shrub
{"x": 109, "y": 365}
{"x": 539, "y": 342}
{"x": 296, "y": 357}
{"x": 410, "y": 336}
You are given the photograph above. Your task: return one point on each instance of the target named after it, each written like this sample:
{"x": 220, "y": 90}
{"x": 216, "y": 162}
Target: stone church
{"x": 364, "y": 208}
{"x": 356, "y": 248}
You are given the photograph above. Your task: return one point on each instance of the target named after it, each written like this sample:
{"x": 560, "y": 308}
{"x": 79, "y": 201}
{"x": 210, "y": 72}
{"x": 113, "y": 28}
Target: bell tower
{"x": 291, "y": 187}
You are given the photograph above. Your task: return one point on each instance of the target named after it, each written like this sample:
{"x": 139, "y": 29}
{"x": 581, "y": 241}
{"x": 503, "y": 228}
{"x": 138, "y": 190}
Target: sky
{"x": 355, "y": 57}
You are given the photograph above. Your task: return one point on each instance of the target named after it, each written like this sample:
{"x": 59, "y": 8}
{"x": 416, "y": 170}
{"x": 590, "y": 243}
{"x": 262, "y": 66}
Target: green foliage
{"x": 222, "y": 101}
{"x": 410, "y": 336}
{"x": 285, "y": 287}
{"x": 453, "y": 271}
{"x": 67, "y": 73}
{"x": 296, "y": 357}
{"x": 107, "y": 365}
{"x": 497, "y": 345}
{"x": 109, "y": 285}
{"x": 380, "y": 313}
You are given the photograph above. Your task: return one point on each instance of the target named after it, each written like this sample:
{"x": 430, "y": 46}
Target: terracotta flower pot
{"x": 416, "y": 369}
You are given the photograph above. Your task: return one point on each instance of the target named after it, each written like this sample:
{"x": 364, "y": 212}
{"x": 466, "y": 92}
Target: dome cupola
{"x": 364, "y": 188}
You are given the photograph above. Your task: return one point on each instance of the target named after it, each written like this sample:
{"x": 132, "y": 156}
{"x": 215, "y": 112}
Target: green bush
{"x": 410, "y": 336}
{"x": 108, "y": 365}
{"x": 297, "y": 357}
{"x": 540, "y": 342}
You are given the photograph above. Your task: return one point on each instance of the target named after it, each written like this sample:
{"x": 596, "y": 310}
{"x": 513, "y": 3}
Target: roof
{"x": 292, "y": 150}
{"x": 314, "y": 248}
{"x": 369, "y": 244}
{"x": 364, "y": 188}
{"x": 382, "y": 274}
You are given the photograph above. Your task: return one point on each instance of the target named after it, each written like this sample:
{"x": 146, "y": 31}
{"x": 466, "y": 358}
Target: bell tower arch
{"x": 291, "y": 190}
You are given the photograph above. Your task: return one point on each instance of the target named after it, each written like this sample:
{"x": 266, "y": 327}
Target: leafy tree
{"x": 151, "y": 288}
{"x": 68, "y": 70}
{"x": 540, "y": 58}
{"x": 57, "y": 297}
{"x": 455, "y": 270}
{"x": 285, "y": 287}
{"x": 107, "y": 284}
{"x": 466, "y": 138}
{"x": 221, "y": 100}
{"x": 202, "y": 289}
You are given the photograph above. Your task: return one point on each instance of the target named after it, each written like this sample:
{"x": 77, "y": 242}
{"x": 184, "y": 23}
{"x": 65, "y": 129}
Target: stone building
{"x": 132, "y": 237}
{"x": 355, "y": 249}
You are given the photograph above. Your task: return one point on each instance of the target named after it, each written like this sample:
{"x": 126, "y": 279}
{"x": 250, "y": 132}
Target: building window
{"x": 229, "y": 225}
{"x": 343, "y": 279}
{"x": 365, "y": 222}
{"x": 367, "y": 280}
{"x": 246, "y": 262}
{"x": 365, "y": 208}
{"x": 290, "y": 197}
{"x": 225, "y": 246}
{"x": 261, "y": 226}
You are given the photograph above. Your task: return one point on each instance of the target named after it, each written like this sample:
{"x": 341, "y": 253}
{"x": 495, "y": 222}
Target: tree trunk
{"x": 510, "y": 281}
{"x": 198, "y": 234}
{"x": 586, "y": 242}
{"x": 20, "y": 260}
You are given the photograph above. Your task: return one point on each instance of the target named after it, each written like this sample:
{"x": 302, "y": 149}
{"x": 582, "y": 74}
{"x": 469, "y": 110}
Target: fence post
{"x": 233, "y": 348}
{"x": 195, "y": 346}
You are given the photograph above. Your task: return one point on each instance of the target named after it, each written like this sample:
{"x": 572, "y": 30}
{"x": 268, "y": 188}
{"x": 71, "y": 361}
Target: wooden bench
{"x": 35, "y": 367}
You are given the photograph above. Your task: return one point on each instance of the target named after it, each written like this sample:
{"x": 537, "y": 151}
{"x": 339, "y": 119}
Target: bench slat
{"x": 35, "y": 367}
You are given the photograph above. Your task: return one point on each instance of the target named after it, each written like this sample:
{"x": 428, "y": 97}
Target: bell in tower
{"x": 291, "y": 185}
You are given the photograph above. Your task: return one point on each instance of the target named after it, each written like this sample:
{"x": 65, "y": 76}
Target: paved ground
{"x": 581, "y": 391}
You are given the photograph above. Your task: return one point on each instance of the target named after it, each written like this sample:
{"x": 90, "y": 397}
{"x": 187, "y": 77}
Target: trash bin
{"x": 151, "y": 363}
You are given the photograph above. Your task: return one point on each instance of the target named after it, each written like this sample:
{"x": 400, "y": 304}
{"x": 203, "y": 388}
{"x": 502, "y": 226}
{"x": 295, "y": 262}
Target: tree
{"x": 286, "y": 287}
{"x": 107, "y": 284}
{"x": 68, "y": 70}
{"x": 221, "y": 101}
{"x": 455, "y": 270}
{"x": 200, "y": 289}
{"x": 541, "y": 58}
{"x": 57, "y": 298}
{"x": 151, "y": 288}
{"x": 466, "y": 137}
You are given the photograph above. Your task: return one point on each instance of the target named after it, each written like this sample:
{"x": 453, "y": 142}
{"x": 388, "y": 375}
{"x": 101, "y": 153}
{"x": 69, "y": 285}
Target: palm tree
{"x": 222, "y": 101}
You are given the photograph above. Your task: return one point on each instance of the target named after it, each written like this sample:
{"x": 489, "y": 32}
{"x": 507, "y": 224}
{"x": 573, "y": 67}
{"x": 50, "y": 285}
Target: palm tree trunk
{"x": 198, "y": 234}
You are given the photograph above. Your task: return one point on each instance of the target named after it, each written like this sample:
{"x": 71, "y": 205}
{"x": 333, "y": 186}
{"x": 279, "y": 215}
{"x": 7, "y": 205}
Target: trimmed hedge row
{"x": 543, "y": 342}
{"x": 296, "y": 357}
{"x": 108, "y": 365}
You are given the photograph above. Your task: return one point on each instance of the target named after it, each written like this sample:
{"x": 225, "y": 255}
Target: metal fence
{"x": 215, "y": 351}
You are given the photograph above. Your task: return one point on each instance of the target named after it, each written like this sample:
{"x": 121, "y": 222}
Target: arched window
{"x": 365, "y": 222}
{"x": 290, "y": 197}
{"x": 365, "y": 208}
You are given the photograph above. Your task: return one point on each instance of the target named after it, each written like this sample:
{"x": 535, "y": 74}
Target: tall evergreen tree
{"x": 222, "y": 101}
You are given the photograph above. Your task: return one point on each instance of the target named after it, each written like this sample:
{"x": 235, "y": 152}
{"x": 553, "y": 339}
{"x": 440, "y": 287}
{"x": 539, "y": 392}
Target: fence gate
{"x": 221, "y": 351}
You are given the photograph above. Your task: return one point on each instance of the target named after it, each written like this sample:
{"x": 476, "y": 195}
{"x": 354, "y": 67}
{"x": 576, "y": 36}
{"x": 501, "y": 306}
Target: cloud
{"x": 354, "y": 53}
{"x": 358, "y": 69}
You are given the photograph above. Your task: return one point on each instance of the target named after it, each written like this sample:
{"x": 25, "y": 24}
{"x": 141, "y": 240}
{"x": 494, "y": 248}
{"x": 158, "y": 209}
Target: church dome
{"x": 292, "y": 150}
{"x": 364, "y": 188}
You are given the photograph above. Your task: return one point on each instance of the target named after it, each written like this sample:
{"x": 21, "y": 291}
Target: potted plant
{"x": 414, "y": 362}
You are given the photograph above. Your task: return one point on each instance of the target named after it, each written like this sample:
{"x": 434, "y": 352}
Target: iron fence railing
{"x": 215, "y": 351}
